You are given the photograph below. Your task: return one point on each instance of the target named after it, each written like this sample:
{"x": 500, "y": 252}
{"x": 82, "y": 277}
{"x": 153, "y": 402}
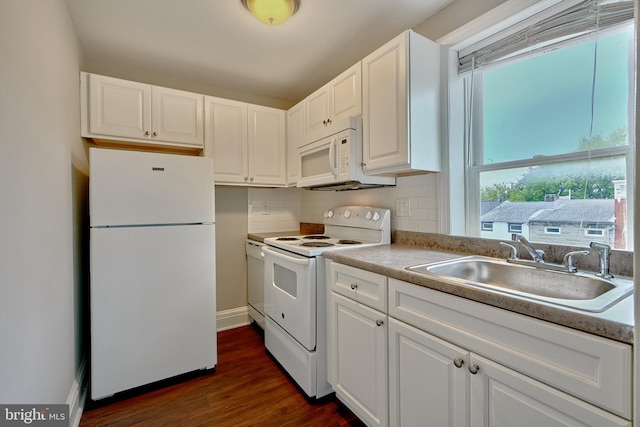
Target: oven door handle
{"x": 280, "y": 255}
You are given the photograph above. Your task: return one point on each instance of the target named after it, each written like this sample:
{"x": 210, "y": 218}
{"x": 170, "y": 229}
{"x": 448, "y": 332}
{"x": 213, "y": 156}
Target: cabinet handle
{"x": 328, "y": 121}
{"x": 363, "y": 165}
{"x": 155, "y": 133}
{"x": 147, "y": 133}
{"x": 251, "y": 179}
{"x": 458, "y": 362}
{"x": 379, "y": 322}
{"x": 473, "y": 368}
{"x": 246, "y": 178}
{"x": 354, "y": 286}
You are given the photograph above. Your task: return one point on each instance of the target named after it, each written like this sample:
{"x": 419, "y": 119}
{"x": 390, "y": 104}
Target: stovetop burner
{"x": 345, "y": 228}
{"x": 317, "y": 244}
{"x": 348, "y": 242}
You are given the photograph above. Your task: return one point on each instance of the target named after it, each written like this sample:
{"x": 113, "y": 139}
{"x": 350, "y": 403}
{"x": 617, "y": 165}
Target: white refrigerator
{"x": 152, "y": 265}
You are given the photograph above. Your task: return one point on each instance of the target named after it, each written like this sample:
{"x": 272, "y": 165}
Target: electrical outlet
{"x": 403, "y": 207}
{"x": 266, "y": 208}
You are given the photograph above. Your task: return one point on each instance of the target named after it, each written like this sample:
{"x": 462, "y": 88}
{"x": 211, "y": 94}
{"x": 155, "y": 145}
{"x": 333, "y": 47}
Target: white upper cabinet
{"x": 121, "y": 110}
{"x": 226, "y": 133}
{"x": 267, "y": 146}
{"x": 401, "y": 104}
{"x": 341, "y": 97}
{"x": 295, "y": 138}
{"x": 247, "y": 142}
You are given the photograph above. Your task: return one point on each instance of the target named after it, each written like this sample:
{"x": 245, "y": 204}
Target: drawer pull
{"x": 458, "y": 362}
{"x": 379, "y": 322}
{"x": 473, "y": 368}
{"x": 354, "y": 286}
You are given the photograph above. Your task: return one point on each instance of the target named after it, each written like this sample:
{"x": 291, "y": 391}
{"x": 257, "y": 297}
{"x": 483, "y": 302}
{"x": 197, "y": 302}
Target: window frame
{"x": 466, "y": 192}
{"x": 518, "y": 224}
{"x": 550, "y": 229}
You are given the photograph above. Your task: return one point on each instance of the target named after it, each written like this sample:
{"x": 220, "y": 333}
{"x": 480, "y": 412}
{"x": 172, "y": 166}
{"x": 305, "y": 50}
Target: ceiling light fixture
{"x": 272, "y": 12}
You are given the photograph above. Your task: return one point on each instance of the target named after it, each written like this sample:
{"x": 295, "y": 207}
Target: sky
{"x": 542, "y": 106}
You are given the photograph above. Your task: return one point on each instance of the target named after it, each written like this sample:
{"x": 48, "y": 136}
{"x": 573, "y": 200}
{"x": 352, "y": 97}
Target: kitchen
{"x": 44, "y": 207}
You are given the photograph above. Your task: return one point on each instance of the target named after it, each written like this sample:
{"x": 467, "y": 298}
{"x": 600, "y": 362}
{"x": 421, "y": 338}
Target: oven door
{"x": 290, "y": 293}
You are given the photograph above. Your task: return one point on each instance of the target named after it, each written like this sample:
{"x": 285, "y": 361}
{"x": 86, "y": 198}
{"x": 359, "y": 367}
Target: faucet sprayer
{"x": 604, "y": 252}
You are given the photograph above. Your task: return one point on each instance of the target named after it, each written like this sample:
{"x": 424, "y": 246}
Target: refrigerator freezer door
{"x": 153, "y": 304}
{"x": 135, "y": 188}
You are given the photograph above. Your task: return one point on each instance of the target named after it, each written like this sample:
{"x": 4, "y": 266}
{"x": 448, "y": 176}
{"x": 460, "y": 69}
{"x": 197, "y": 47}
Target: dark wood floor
{"x": 247, "y": 388}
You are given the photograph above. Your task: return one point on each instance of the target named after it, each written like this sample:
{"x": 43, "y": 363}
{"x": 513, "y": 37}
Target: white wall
{"x": 39, "y": 124}
{"x": 231, "y": 233}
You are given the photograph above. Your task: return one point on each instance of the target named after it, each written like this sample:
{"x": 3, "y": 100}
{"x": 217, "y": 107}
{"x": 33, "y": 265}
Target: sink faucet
{"x": 604, "y": 252}
{"x": 536, "y": 254}
{"x": 567, "y": 261}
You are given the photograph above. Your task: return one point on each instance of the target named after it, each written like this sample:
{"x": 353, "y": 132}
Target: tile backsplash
{"x": 282, "y": 209}
{"x": 273, "y": 209}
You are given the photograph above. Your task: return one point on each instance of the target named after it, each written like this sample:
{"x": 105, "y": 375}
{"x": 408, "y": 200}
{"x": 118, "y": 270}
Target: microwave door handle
{"x": 299, "y": 261}
{"x": 332, "y": 156}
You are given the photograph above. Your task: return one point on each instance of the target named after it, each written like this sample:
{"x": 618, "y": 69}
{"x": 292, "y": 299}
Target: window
{"x": 550, "y": 129}
{"x": 515, "y": 228}
{"x": 487, "y": 226}
{"x": 594, "y": 232}
{"x": 552, "y": 230}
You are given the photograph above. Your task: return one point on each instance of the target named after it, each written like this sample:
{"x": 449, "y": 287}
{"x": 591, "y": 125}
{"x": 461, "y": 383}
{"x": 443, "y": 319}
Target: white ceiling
{"x": 218, "y": 43}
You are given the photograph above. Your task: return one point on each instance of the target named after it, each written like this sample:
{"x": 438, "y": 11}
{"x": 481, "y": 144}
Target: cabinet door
{"x": 345, "y": 94}
{"x": 267, "y": 146}
{"x": 340, "y": 98}
{"x": 317, "y": 110}
{"x": 358, "y": 358}
{"x": 501, "y": 397}
{"x": 119, "y": 108}
{"x": 295, "y": 139}
{"x": 177, "y": 116}
{"x": 384, "y": 80}
{"x": 226, "y": 139}
{"x": 428, "y": 379}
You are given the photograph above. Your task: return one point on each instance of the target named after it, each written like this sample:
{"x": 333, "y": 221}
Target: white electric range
{"x": 295, "y": 290}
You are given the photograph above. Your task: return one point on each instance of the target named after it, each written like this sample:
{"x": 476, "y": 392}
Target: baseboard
{"x": 232, "y": 318}
{"x": 78, "y": 394}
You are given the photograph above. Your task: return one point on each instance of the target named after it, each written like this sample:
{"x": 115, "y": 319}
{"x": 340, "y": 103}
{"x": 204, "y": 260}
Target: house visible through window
{"x": 551, "y": 139}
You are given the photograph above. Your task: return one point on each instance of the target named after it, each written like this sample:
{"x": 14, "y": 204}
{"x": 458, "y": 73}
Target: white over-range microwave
{"x": 333, "y": 162}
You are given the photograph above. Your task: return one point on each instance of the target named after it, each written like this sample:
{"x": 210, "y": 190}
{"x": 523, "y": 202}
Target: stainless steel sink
{"x": 582, "y": 291}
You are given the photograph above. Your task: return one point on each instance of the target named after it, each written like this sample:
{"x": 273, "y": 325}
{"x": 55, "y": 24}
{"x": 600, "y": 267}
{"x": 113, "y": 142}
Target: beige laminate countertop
{"x": 391, "y": 260}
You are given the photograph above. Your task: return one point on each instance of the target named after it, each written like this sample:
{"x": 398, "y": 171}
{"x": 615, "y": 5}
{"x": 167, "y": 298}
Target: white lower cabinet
{"x": 428, "y": 379}
{"x": 456, "y": 362}
{"x": 434, "y": 382}
{"x": 357, "y": 346}
{"x": 360, "y": 359}
{"x": 501, "y": 397}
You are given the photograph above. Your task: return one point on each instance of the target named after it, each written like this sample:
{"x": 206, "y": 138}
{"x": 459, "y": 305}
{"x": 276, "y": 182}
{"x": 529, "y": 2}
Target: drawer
{"x": 359, "y": 285}
{"x": 589, "y": 367}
